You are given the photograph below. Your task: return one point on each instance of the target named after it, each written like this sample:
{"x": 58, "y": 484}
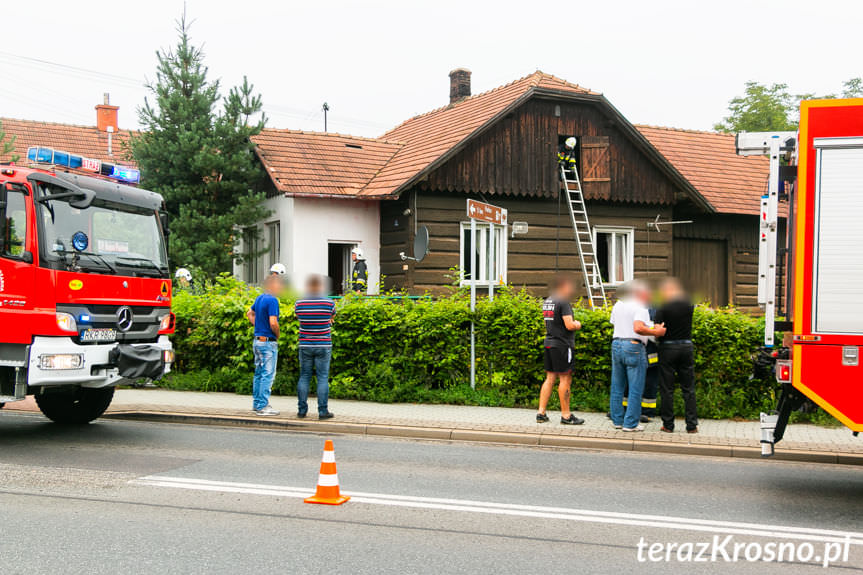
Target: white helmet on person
{"x": 183, "y": 274}
{"x": 570, "y": 143}
{"x": 278, "y": 269}
{"x": 358, "y": 251}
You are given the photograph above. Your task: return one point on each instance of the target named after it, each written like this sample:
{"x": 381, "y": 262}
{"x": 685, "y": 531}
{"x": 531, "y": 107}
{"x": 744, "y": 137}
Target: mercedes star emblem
{"x": 125, "y": 318}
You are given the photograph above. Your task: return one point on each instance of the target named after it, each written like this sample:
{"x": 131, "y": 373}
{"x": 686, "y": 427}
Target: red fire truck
{"x": 820, "y": 357}
{"x": 85, "y": 291}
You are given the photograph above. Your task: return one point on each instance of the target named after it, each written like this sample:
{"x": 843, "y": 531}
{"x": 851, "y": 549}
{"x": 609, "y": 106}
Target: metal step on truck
{"x": 85, "y": 289}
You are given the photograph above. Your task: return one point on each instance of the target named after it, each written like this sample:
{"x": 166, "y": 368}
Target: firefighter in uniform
{"x": 566, "y": 154}
{"x": 360, "y": 273}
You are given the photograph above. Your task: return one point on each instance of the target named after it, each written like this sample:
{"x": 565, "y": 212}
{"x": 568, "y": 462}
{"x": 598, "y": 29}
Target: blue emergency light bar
{"x": 42, "y": 155}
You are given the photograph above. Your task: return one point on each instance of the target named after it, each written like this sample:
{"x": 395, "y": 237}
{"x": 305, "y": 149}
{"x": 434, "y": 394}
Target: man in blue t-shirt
{"x": 315, "y": 312}
{"x": 264, "y": 315}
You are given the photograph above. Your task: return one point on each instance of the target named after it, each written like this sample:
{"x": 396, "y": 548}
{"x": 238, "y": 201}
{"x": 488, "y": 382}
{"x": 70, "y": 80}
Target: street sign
{"x": 486, "y": 212}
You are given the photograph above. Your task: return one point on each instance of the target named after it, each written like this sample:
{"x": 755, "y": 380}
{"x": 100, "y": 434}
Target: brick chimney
{"x": 106, "y": 115}
{"x": 459, "y": 85}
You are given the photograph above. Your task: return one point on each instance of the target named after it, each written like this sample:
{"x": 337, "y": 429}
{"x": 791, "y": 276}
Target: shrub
{"x": 393, "y": 349}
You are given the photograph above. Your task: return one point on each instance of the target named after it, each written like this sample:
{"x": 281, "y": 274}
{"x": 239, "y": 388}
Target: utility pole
{"x": 325, "y": 108}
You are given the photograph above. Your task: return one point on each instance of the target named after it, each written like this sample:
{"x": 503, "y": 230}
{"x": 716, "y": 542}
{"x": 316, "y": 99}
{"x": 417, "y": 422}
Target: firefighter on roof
{"x": 360, "y": 273}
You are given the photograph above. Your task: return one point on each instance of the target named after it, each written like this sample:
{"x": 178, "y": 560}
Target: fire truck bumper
{"x": 61, "y": 361}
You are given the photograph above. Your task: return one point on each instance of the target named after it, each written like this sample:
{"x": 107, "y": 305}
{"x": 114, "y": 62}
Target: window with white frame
{"x": 483, "y": 252}
{"x": 274, "y": 247}
{"x": 615, "y": 253}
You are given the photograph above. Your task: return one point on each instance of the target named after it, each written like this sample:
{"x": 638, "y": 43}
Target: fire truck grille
{"x": 142, "y": 326}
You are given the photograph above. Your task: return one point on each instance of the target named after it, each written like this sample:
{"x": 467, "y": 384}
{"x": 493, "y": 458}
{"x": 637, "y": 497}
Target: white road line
{"x": 564, "y": 513}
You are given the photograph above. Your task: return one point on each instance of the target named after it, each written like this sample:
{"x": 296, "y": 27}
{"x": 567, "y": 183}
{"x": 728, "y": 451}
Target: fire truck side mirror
{"x": 27, "y": 257}
{"x": 163, "y": 218}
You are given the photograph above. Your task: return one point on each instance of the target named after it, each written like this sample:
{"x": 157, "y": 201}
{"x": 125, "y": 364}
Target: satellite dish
{"x": 421, "y": 246}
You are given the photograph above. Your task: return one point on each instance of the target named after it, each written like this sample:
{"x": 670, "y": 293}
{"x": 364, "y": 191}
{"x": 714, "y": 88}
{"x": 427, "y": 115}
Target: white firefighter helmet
{"x": 278, "y": 269}
{"x": 358, "y": 251}
{"x": 183, "y": 274}
{"x": 570, "y": 143}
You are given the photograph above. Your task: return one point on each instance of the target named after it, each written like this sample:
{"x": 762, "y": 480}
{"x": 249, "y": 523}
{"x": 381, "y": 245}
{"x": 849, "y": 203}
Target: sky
{"x": 377, "y": 63}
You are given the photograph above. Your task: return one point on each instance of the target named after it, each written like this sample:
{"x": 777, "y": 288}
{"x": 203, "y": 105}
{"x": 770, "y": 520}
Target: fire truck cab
{"x": 85, "y": 290}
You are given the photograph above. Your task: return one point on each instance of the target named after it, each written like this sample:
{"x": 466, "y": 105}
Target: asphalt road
{"x": 124, "y": 497}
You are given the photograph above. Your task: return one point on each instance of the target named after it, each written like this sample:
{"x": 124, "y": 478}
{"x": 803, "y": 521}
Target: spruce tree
{"x": 195, "y": 150}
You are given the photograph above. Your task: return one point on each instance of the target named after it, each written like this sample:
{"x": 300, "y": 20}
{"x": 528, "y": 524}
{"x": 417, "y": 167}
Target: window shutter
{"x": 595, "y": 159}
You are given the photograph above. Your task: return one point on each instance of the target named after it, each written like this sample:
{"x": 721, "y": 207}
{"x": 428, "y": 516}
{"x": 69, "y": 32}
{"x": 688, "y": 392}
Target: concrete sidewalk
{"x": 493, "y": 424}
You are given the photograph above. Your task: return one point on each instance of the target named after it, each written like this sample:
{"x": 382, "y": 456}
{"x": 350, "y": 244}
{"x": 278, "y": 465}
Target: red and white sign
{"x": 91, "y": 165}
{"x": 486, "y": 212}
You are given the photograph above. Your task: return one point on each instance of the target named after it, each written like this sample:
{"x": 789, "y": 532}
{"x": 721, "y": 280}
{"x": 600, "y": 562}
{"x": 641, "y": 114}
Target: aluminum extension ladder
{"x": 571, "y": 186}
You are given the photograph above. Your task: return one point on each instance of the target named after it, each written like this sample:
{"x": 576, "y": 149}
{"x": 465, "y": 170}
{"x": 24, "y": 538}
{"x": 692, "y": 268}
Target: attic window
{"x": 355, "y": 146}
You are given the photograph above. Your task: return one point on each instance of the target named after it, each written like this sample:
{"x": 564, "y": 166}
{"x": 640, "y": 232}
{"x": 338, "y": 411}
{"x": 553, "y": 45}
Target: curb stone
{"x": 488, "y": 436}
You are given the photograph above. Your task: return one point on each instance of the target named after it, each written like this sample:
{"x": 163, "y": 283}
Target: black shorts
{"x": 559, "y": 360}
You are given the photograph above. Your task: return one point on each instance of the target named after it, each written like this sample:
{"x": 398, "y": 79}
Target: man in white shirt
{"x": 632, "y": 328}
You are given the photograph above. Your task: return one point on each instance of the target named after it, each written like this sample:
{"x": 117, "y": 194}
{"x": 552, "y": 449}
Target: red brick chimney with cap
{"x": 459, "y": 85}
{"x": 106, "y": 115}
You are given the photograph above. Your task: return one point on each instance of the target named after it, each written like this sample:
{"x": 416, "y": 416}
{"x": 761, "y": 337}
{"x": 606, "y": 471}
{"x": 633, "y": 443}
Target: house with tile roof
{"x": 328, "y": 193}
{"x": 105, "y": 141}
{"x": 501, "y": 147}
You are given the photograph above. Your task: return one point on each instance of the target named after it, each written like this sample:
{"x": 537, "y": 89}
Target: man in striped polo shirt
{"x": 315, "y": 312}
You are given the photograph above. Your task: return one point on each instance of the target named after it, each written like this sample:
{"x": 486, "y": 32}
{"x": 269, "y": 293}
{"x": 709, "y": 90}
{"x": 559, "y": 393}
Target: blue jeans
{"x": 315, "y": 358}
{"x": 266, "y": 354}
{"x": 628, "y": 367}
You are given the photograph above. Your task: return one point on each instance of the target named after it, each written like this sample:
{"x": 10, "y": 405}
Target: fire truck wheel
{"x": 79, "y": 407}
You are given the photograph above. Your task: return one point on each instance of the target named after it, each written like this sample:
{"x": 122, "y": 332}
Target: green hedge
{"x": 418, "y": 351}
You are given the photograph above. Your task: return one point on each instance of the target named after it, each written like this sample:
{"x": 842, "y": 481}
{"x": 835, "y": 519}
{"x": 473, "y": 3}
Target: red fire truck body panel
{"x": 821, "y": 366}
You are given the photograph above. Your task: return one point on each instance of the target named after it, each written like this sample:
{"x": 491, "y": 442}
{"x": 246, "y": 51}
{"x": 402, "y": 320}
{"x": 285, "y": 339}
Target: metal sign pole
{"x": 473, "y": 272}
{"x": 491, "y": 262}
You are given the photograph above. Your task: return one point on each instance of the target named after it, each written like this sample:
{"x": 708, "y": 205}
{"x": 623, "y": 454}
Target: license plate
{"x": 99, "y": 334}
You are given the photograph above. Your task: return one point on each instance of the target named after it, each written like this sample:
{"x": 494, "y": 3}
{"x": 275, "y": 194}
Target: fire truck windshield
{"x": 105, "y": 237}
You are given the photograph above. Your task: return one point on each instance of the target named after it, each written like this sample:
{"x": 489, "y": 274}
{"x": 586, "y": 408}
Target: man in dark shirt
{"x": 676, "y": 356}
{"x": 558, "y": 348}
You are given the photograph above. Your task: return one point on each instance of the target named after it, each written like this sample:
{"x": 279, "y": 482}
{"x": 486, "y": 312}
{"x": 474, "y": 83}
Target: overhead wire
{"x": 299, "y": 115}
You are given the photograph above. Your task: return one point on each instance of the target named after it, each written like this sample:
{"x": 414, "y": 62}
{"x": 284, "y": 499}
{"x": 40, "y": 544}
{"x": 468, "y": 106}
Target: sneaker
{"x": 618, "y": 427}
{"x": 541, "y": 418}
{"x": 693, "y": 430}
{"x": 634, "y": 429}
{"x": 666, "y": 430}
{"x": 326, "y": 415}
{"x": 268, "y": 410}
{"x": 571, "y": 420}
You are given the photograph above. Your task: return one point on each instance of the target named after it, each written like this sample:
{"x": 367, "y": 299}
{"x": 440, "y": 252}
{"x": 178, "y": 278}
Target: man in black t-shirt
{"x": 558, "y": 348}
{"x": 676, "y": 356}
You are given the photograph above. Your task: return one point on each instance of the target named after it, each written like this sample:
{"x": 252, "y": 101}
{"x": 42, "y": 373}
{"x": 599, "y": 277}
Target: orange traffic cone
{"x": 328, "y": 481}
